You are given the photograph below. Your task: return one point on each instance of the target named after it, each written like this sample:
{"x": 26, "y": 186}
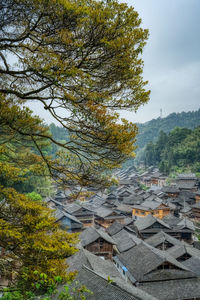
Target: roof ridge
{"x": 116, "y": 285}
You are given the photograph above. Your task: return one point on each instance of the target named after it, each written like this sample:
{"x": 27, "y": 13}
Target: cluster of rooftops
{"x": 127, "y": 254}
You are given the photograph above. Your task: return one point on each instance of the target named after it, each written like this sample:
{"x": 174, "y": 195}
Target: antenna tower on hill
{"x": 161, "y": 113}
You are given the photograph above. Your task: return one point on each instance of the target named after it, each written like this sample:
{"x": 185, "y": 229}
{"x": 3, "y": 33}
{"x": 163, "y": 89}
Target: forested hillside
{"x": 177, "y": 150}
{"x": 149, "y": 131}
{"x": 59, "y": 134}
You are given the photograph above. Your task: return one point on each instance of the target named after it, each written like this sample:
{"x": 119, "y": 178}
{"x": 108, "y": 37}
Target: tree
{"x": 32, "y": 241}
{"x": 81, "y": 60}
{"x": 19, "y": 150}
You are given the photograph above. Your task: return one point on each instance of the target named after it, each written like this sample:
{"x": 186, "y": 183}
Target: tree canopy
{"x": 81, "y": 60}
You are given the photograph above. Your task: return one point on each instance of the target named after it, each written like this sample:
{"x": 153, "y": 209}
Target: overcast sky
{"x": 171, "y": 57}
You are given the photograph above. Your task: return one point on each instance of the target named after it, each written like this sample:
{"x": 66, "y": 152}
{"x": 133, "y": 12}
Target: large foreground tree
{"x": 81, "y": 60}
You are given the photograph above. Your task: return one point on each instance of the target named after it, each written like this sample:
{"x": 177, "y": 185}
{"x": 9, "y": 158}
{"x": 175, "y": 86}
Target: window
{"x": 124, "y": 270}
{"x": 101, "y": 243}
{"x": 86, "y": 221}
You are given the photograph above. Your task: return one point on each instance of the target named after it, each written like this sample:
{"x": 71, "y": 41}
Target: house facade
{"x": 160, "y": 211}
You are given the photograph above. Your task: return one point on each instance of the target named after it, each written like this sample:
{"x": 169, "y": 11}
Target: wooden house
{"x": 183, "y": 252}
{"x": 98, "y": 242}
{"x": 95, "y": 276}
{"x": 149, "y": 225}
{"x": 68, "y": 222}
{"x": 104, "y": 216}
{"x": 196, "y": 210}
{"x": 145, "y": 264}
{"x": 83, "y": 214}
{"x": 124, "y": 194}
{"x": 186, "y": 178}
{"x": 197, "y": 196}
{"x": 181, "y": 229}
{"x": 158, "y": 179}
{"x": 172, "y": 191}
{"x": 63, "y": 196}
{"x": 159, "y": 210}
{"x": 163, "y": 241}
{"x": 187, "y": 182}
{"x": 52, "y": 203}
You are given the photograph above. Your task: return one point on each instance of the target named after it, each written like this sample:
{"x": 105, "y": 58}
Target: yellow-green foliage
{"x": 82, "y": 61}
{"x": 31, "y": 239}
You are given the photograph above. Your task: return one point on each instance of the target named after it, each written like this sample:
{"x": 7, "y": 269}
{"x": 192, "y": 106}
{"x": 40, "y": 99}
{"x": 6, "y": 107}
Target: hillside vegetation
{"x": 150, "y": 135}
{"x": 149, "y": 131}
{"x": 177, "y": 150}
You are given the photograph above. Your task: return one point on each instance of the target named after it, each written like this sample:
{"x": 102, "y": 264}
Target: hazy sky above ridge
{"x": 171, "y": 58}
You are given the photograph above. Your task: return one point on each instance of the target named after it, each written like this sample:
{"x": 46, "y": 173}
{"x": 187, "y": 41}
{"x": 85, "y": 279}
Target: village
{"x": 139, "y": 239}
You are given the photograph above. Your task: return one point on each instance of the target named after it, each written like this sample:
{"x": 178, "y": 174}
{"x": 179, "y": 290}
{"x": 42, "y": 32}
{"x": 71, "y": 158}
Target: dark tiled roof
{"x": 151, "y": 197}
{"x": 129, "y": 221}
{"x": 133, "y": 199}
{"x": 57, "y": 203}
{"x": 62, "y": 214}
{"x": 143, "y": 260}
{"x": 170, "y": 189}
{"x": 124, "y": 208}
{"x": 156, "y": 175}
{"x": 187, "y": 195}
{"x": 193, "y": 264}
{"x": 103, "y": 267}
{"x": 196, "y": 244}
{"x": 123, "y": 241}
{"x": 114, "y": 228}
{"x": 174, "y": 289}
{"x": 185, "y": 223}
{"x": 91, "y": 234}
{"x": 196, "y": 205}
{"x": 145, "y": 222}
{"x": 171, "y": 220}
{"x": 94, "y": 203}
{"x": 160, "y": 238}
{"x": 190, "y": 176}
{"x": 168, "y": 274}
{"x": 151, "y": 204}
{"x": 103, "y": 290}
{"x": 72, "y": 208}
{"x": 186, "y": 209}
{"x": 186, "y": 186}
{"x": 103, "y": 212}
{"x": 179, "y": 250}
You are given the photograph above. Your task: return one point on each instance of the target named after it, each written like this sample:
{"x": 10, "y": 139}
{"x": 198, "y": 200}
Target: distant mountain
{"x": 149, "y": 131}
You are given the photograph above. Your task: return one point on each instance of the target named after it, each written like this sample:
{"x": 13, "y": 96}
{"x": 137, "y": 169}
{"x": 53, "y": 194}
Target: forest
{"x": 149, "y": 131}
{"x": 152, "y": 139}
{"x": 177, "y": 150}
